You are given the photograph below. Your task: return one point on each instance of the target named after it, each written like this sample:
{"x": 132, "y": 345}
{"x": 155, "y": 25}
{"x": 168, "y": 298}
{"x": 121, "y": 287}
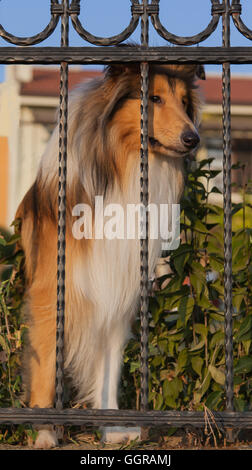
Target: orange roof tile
{"x": 46, "y": 83}
{"x": 241, "y": 90}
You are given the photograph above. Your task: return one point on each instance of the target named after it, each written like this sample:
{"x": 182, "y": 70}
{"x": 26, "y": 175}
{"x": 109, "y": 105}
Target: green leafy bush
{"x": 11, "y": 322}
{"x": 186, "y": 340}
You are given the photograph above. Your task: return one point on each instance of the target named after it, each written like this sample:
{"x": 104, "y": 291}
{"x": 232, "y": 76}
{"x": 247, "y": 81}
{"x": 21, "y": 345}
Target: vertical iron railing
{"x": 227, "y": 211}
{"x": 63, "y": 111}
{"x": 144, "y": 55}
{"x": 144, "y": 198}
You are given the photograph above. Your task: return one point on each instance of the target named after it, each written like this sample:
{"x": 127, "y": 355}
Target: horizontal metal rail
{"x": 108, "y": 55}
{"x": 224, "y": 419}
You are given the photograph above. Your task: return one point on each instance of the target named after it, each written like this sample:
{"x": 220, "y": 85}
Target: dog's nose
{"x": 190, "y": 139}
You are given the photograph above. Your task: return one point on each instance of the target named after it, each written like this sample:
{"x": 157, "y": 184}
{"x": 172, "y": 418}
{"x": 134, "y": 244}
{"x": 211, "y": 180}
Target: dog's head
{"x": 173, "y": 107}
{"x": 173, "y": 111}
{"x": 105, "y": 121}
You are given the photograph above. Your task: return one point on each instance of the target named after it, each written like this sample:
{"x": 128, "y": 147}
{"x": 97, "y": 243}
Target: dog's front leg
{"x": 108, "y": 376}
{"x": 42, "y": 374}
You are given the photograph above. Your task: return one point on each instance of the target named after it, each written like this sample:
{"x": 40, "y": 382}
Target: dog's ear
{"x": 190, "y": 71}
{"x": 116, "y": 70}
{"x": 200, "y": 72}
{"x": 195, "y": 71}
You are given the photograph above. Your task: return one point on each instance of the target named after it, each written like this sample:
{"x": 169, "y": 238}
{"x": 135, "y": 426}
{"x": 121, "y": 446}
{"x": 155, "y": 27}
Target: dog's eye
{"x": 155, "y": 99}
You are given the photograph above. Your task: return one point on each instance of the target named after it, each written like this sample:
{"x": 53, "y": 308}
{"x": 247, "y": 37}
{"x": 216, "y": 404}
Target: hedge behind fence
{"x": 187, "y": 355}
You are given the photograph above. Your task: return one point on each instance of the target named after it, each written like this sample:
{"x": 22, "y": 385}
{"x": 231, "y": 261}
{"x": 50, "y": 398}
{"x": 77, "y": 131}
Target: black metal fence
{"x": 141, "y": 10}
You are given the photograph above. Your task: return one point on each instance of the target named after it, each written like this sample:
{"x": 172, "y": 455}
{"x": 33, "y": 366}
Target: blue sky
{"x": 106, "y": 18}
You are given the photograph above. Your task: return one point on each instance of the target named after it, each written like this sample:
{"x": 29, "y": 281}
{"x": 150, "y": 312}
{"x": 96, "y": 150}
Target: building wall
{"x": 33, "y": 137}
{"x": 4, "y": 155}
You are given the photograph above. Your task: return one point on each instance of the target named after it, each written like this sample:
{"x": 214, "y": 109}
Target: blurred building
{"x": 29, "y": 99}
{"x": 241, "y": 125}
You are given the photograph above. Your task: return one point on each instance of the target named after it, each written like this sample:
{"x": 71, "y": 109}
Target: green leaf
{"x": 180, "y": 257}
{"x": 200, "y": 227}
{"x": 240, "y": 404}
{"x": 198, "y": 283}
{"x": 159, "y": 402}
{"x": 185, "y": 310}
{"x": 198, "y": 268}
{"x": 236, "y": 208}
{"x": 134, "y": 366}
{"x": 166, "y": 389}
{"x": 156, "y": 361}
{"x": 217, "y": 374}
{"x": 4, "y": 344}
{"x": 243, "y": 365}
{"x": 216, "y": 262}
{"x": 201, "y": 329}
{"x": 13, "y": 239}
{"x": 246, "y": 345}
{"x": 180, "y": 261}
{"x": 203, "y": 300}
{"x": 156, "y": 309}
{"x": 214, "y": 173}
{"x": 217, "y": 338}
{"x": 198, "y": 346}
{"x": 215, "y": 190}
{"x": 182, "y": 361}
{"x": 213, "y": 400}
{"x": 202, "y": 388}
{"x": 219, "y": 317}
{"x": 2, "y": 241}
{"x": 238, "y": 380}
{"x": 171, "y": 402}
{"x": 237, "y": 300}
{"x": 245, "y": 328}
{"x": 197, "y": 363}
{"x": 206, "y": 161}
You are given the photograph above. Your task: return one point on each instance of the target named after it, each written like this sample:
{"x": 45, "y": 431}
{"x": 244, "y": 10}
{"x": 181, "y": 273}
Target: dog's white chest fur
{"x": 110, "y": 276}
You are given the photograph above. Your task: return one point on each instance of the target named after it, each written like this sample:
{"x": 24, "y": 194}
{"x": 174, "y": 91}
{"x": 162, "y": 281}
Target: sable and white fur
{"x": 102, "y": 276}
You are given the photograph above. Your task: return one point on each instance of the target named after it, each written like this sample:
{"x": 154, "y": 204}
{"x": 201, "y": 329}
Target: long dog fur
{"x": 102, "y": 276}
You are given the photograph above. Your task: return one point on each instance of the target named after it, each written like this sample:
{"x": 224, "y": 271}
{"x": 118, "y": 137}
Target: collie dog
{"x": 102, "y": 274}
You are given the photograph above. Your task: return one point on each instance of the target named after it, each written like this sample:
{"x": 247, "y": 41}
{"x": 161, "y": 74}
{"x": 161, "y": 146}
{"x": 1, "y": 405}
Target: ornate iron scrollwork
{"x": 236, "y": 10}
{"x": 138, "y": 10}
{"x": 110, "y": 41}
{"x": 190, "y": 40}
{"x": 56, "y": 10}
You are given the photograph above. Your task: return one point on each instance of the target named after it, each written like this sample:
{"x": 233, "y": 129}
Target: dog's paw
{"x": 120, "y": 434}
{"x": 46, "y": 439}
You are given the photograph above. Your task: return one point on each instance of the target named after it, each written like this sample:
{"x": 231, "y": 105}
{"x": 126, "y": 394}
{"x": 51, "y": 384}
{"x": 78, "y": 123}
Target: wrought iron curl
{"x": 216, "y": 11}
{"x": 56, "y": 11}
{"x": 100, "y": 41}
{"x": 236, "y": 10}
{"x": 137, "y": 11}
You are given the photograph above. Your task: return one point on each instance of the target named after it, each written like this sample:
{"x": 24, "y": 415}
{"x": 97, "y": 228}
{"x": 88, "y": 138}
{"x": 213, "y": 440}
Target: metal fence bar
{"x": 223, "y": 419}
{"x": 227, "y": 214}
{"x": 59, "y": 388}
{"x": 110, "y": 55}
{"x": 144, "y": 199}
